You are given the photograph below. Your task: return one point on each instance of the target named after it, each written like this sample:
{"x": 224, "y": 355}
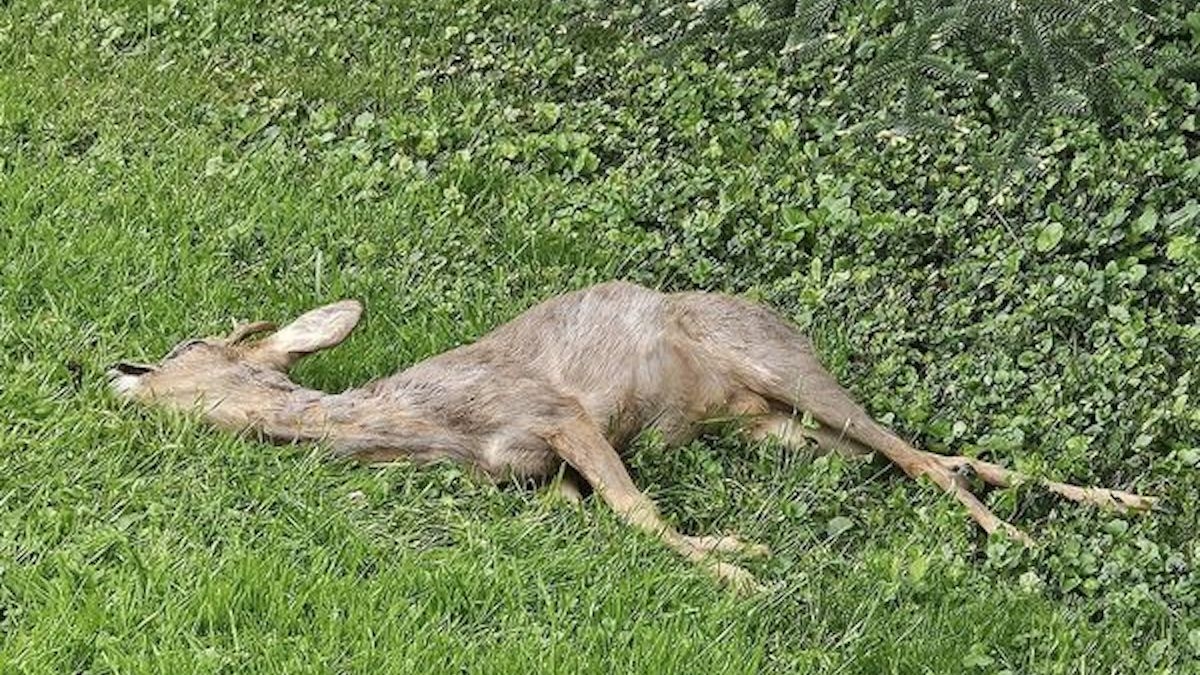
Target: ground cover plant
{"x": 1033, "y": 60}
{"x": 165, "y": 166}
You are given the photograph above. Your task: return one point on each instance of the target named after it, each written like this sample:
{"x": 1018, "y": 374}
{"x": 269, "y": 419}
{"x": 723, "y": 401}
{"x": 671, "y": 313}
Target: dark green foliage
{"x": 1026, "y": 62}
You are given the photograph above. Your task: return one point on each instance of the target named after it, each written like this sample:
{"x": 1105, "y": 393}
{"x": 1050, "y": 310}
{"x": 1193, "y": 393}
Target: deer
{"x": 558, "y": 394}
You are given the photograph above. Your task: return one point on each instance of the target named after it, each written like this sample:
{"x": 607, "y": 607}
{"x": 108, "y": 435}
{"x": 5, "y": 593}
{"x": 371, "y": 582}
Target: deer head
{"x": 216, "y": 371}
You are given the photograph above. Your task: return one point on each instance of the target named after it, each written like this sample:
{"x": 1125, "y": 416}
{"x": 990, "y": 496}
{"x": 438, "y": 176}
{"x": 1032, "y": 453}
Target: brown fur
{"x": 572, "y": 380}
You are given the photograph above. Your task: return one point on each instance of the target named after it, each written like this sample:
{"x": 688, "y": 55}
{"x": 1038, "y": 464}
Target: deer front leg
{"x": 566, "y": 486}
{"x": 582, "y": 446}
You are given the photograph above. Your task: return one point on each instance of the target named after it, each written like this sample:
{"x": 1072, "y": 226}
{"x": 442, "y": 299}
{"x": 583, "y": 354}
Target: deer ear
{"x": 313, "y": 331}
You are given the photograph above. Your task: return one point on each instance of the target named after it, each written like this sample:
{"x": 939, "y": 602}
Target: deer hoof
{"x": 729, "y": 544}
{"x": 736, "y": 578}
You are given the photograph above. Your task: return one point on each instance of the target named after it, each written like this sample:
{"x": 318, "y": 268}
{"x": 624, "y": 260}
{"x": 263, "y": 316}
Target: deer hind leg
{"x": 800, "y": 382}
{"x": 994, "y": 474}
{"x": 777, "y": 362}
{"x": 794, "y": 435}
{"x": 949, "y": 472}
{"x": 581, "y": 445}
{"x": 946, "y": 475}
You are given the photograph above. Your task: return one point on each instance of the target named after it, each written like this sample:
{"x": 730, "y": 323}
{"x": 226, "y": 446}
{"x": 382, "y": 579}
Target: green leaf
{"x": 918, "y": 567}
{"x": 838, "y": 525}
{"x": 978, "y": 658}
{"x": 1146, "y": 222}
{"x": 1182, "y": 216}
{"x": 364, "y": 122}
{"x": 1048, "y": 238}
{"x": 1116, "y": 527}
{"x": 1156, "y": 651}
{"x": 792, "y": 215}
{"x": 1180, "y": 247}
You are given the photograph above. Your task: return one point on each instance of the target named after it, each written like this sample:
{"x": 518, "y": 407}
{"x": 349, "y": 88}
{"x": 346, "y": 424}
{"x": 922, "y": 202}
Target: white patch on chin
{"x": 124, "y": 385}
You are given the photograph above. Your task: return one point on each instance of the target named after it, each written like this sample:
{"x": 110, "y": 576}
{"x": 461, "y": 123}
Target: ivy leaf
{"x": 1179, "y": 247}
{"x": 1190, "y": 456}
{"x": 1048, "y": 238}
{"x": 1116, "y": 527}
{"x": 838, "y": 525}
{"x": 1183, "y": 216}
{"x": 1146, "y": 222}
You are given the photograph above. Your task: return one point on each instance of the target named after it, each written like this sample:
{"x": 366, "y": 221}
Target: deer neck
{"x": 283, "y": 413}
{"x": 357, "y": 422}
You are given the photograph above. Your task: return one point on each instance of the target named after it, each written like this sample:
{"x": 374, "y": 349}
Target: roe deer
{"x": 572, "y": 381}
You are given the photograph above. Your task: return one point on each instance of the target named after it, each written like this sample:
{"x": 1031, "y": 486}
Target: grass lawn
{"x": 168, "y": 166}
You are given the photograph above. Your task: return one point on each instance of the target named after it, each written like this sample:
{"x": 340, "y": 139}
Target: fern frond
{"x": 925, "y": 124}
{"x": 887, "y": 73}
{"x": 868, "y": 130}
{"x": 940, "y": 69}
{"x": 1077, "y": 58}
{"x": 1032, "y": 40}
{"x": 772, "y": 32}
{"x": 1065, "y": 102}
{"x": 1022, "y": 136}
{"x": 814, "y": 15}
{"x": 996, "y": 16}
{"x": 1063, "y": 15}
{"x": 919, "y": 36}
{"x": 1182, "y": 67}
{"x": 955, "y": 25}
{"x": 809, "y": 50}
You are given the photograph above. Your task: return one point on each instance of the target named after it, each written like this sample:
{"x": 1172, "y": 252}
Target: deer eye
{"x": 181, "y": 348}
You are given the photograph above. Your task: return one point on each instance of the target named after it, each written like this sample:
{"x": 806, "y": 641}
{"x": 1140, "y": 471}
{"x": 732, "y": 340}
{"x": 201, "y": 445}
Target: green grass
{"x": 167, "y": 167}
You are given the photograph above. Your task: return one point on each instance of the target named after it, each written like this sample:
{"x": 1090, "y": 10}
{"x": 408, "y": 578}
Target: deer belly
{"x": 519, "y": 457}
{"x": 675, "y": 427}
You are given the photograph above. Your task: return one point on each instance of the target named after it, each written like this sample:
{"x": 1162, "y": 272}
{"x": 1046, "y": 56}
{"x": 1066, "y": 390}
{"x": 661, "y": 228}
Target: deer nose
{"x": 126, "y": 368}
